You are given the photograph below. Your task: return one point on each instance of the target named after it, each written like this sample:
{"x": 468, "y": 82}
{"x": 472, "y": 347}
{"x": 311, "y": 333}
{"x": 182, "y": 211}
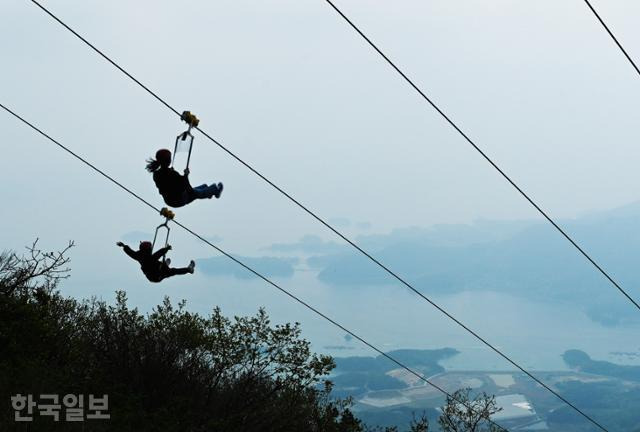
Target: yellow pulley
{"x": 169, "y": 214}
{"x": 190, "y": 119}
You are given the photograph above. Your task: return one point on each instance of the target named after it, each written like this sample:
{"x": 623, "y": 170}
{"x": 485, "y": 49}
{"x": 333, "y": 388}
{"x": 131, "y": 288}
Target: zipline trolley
{"x": 168, "y": 215}
{"x": 185, "y": 138}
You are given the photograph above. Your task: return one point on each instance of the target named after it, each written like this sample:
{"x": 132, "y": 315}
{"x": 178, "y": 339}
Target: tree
{"x": 461, "y": 413}
{"x": 420, "y": 424}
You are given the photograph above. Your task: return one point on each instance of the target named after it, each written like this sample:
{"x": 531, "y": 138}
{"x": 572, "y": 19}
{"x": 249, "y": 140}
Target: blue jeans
{"x": 204, "y": 191}
{"x": 191, "y": 194}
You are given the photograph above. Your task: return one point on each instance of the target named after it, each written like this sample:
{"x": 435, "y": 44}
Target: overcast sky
{"x": 290, "y": 88}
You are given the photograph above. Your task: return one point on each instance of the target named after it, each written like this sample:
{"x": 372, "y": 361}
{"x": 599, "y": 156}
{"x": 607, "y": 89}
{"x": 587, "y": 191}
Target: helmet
{"x": 163, "y": 156}
{"x": 146, "y": 246}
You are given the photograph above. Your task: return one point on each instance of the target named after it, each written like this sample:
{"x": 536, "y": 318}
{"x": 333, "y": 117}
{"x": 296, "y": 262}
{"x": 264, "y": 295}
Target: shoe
{"x": 219, "y": 191}
{"x": 192, "y": 266}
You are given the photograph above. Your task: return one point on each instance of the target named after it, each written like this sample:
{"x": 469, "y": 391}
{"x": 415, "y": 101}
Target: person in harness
{"x": 151, "y": 264}
{"x": 174, "y": 187}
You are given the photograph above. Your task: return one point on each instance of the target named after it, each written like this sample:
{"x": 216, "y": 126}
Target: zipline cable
{"x": 353, "y": 244}
{"x": 485, "y": 156}
{"x": 240, "y": 263}
{"x": 613, "y": 37}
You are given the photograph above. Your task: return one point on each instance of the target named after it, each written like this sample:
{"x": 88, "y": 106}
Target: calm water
{"x": 534, "y": 334}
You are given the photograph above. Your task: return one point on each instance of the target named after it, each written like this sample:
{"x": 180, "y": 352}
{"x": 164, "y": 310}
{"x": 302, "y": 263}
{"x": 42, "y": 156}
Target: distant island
{"x": 581, "y": 361}
{"x": 523, "y": 259}
{"x": 355, "y": 376}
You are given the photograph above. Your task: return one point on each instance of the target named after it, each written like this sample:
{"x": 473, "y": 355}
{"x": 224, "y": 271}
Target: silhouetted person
{"x": 174, "y": 187}
{"x": 153, "y": 268}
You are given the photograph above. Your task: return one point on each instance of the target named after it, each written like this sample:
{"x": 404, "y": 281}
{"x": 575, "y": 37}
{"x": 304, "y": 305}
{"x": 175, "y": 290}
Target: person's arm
{"x": 157, "y": 180}
{"x": 133, "y": 254}
{"x": 185, "y": 178}
{"x": 161, "y": 252}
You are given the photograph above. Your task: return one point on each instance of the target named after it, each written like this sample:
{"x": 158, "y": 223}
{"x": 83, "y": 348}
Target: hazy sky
{"x": 289, "y": 87}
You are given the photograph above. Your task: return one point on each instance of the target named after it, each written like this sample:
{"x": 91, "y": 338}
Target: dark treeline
{"x": 170, "y": 370}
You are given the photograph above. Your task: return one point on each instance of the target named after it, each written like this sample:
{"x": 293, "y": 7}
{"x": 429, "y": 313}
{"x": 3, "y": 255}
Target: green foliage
{"x": 420, "y": 424}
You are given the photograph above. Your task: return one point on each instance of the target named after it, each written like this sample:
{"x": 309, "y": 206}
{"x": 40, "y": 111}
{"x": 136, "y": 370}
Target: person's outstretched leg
{"x": 200, "y": 192}
{"x": 204, "y": 191}
{"x": 180, "y": 271}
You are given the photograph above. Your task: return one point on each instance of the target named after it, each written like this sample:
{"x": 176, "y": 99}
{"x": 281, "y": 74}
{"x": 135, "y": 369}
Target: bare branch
{"x": 34, "y": 270}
